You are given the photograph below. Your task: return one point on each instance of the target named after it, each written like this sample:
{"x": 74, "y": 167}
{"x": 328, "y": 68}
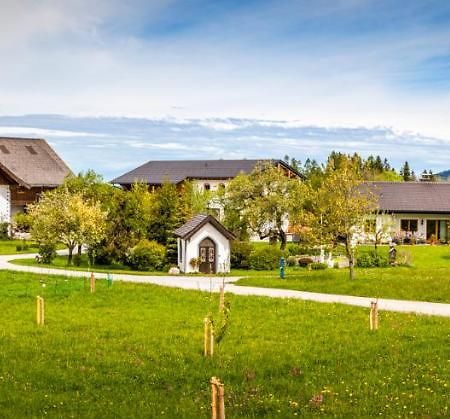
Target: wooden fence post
{"x": 373, "y": 316}
{"x": 208, "y": 339}
{"x": 40, "y": 311}
{"x": 217, "y": 399}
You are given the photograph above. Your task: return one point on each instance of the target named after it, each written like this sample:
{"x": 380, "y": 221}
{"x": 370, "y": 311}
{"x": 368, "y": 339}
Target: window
{"x": 221, "y": 186}
{"x": 408, "y": 225}
{"x": 370, "y": 226}
{"x": 30, "y": 149}
{"x": 206, "y": 186}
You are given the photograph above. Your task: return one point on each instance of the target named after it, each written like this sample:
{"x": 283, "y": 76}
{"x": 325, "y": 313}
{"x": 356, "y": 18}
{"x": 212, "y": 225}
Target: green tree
{"x": 61, "y": 216}
{"x": 334, "y": 211}
{"x": 263, "y": 199}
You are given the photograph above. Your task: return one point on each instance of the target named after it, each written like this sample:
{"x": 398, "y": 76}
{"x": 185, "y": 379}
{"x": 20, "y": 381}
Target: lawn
{"x": 9, "y": 247}
{"x": 135, "y": 350}
{"x": 428, "y": 279}
{"x": 60, "y": 262}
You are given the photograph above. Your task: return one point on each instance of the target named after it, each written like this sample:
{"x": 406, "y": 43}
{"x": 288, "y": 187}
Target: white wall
{"x": 190, "y": 249}
{"x": 5, "y": 203}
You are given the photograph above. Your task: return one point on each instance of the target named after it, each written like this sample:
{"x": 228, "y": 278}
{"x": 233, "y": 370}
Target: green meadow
{"x": 427, "y": 279}
{"x": 135, "y": 350}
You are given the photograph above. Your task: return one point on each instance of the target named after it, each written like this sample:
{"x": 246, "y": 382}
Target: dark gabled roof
{"x": 175, "y": 171}
{"x": 31, "y": 162}
{"x": 411, "y": 197}
{"x": 192, "y": 226}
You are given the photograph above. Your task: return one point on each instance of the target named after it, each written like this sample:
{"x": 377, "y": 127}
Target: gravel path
{"x": 212, "y": 284}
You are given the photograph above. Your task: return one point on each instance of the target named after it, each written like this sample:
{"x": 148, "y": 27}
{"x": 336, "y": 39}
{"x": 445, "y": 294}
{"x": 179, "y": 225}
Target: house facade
{"x": 27, "y": 168}
{"x": 203, "y": 245}
{"x": 416, "y": 212}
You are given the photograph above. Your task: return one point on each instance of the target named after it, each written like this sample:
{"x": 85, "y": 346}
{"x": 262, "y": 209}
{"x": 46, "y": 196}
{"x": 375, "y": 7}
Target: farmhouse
{"x": 27, "y": 168}
{"x": 413, "y": 211}
{"x": 205, "y": 174}
{"x": 203, "y": 244}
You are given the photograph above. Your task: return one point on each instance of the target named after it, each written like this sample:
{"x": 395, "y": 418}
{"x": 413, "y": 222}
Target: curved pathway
{"x": 212, "y": 284}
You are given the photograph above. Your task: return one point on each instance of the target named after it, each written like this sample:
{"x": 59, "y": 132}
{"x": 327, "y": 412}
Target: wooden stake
{"x": 217, "y": 399}
{"x": 222, "y": 299}
{"x": 40, "y": 311}
{"x": 373, "y": 317}
{"x": 208, "y": 342}
{"x": 214, "y": 405}
{"x": 92, "y": 282}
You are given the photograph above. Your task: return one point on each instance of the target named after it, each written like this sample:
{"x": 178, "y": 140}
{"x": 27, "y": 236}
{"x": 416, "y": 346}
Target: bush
{"x": 317, "y": 266}
{"x": 147, "y": 255}
{"x": 101, "y": 255}
{"x": 76, "y": 259}
{"x": 47, "y": 252}
{"x": 22, "y": 222}
{"x": 305, "y": 261}
{"x": 4, "y": 231}
{"x": 295, "y": 250}
{"x": 372, "y": 259}
{"x": 240, "y": 254}
{"x": 22, "y": 246}
{"x": 265, "y": 258}
{"x": 292, "y": 261}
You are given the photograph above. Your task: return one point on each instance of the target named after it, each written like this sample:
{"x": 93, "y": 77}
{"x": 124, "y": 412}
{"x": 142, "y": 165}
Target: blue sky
{"x": 231, "y": 78}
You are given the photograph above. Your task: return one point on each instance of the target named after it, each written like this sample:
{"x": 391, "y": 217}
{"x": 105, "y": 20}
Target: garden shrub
{"x": 305, "y": 261}
{"x": 76, "y": 259}
{"x": 101, "y": 255}
{"x": 47, "y": 251}
{"x": 147, "y": 255}
{"x": 22, "y": 222}
{"x": 4, "y": 231}
{"x": 317, "y": 266}
{"x": 240, "y": 254}
{"x": 265, "y": 258}
{"x": 372, "y": 259}
{"x": 292, "y": 261}
{"x": 296, "y": 250}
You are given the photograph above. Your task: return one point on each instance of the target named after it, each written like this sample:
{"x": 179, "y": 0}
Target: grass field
{"x": 136, "y": 351}
{"x": 60, "y": 262}
{"x": 427, "y": 280}
{"x": 8, "y": 247}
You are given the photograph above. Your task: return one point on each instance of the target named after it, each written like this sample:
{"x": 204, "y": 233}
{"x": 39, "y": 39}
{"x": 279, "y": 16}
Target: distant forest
{"x": 373, "y": 168}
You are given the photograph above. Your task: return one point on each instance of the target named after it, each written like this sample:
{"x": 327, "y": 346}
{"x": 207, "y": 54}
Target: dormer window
{"x": 30, "y": 149}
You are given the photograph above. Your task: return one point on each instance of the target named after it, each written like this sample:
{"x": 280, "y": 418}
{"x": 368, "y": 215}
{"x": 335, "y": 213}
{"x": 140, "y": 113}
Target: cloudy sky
{"x": 112, "y": 84}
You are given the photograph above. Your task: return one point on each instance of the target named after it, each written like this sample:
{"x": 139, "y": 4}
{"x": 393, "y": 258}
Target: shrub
{"x": 296, "y": 249}
{"x": 265, "y": 258}
{"x": 22, "y": 222}
{"x": 76, "y": 259}
{"x": 372, "y": 259}
{"x": 47, "y": 252}
{"x": 101, "y": 255}
{"x": 305, "y": 261}
{"x": 147, "y": 255}
{"x": 240, "y": 254}
{"x": 22, "y": 246}
{"x": 317, "y": 266}
{"x": 292, "y": 261}
{"x": 4, "y": 231}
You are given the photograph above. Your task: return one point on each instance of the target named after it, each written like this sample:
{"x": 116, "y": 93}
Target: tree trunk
{"x": 79, "y": 250}
{"x": 351, "y": 259}
{"x": 69, "y": 257}
{"x": 282, "y": 236}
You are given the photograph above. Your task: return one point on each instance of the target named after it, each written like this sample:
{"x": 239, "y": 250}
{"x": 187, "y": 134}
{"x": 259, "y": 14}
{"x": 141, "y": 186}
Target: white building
{"x": 203, "y": 245}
